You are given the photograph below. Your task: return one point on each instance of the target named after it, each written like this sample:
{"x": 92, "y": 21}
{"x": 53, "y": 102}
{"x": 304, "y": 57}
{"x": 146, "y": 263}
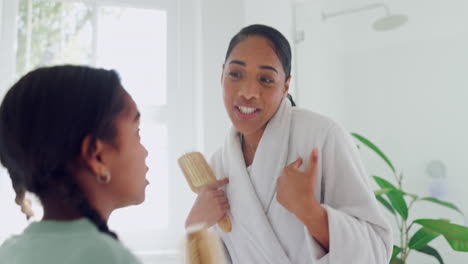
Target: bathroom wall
{"x": 404, "y": 89}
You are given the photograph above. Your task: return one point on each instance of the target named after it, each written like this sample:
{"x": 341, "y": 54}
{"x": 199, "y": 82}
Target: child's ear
{"x": 92, "y": 154}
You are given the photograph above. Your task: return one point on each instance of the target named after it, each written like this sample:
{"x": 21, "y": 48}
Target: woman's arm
{"x": 295, "y": 191}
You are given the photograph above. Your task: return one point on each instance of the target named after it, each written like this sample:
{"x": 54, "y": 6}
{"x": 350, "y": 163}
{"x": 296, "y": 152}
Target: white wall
{"x": 405, "y": 89}
{"x": 275, "y": 13}
{"x": 412, "y": 100}
{"x": 319, "y": 70}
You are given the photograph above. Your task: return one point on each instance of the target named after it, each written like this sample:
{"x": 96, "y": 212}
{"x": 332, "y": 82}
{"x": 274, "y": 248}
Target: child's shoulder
{"x": 84, "y": 247}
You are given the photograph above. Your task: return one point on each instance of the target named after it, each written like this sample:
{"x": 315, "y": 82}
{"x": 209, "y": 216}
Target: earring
{"x": 104, "y": 179}
{"x": 26, "y": 208}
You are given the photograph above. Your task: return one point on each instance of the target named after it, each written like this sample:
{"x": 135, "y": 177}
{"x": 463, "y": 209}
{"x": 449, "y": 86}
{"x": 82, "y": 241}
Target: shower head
{"x": 388, "y": 22}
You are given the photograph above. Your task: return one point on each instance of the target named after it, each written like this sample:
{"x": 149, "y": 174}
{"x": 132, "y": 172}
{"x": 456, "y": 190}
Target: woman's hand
{"x": 295, "y": 189}
{"x": 210, "y": 206}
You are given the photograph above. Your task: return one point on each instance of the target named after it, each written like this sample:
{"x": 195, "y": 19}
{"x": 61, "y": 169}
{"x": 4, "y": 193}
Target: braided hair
{"x": 44, "y": 119}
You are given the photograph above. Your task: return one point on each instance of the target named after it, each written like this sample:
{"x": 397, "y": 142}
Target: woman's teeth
{"x": 246, "y": 110}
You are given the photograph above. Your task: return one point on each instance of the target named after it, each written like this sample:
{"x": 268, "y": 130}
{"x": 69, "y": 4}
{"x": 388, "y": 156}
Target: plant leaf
{"x": 396, "y": 251}
{"x": 456, "y": 235}
{"x": 395, "y": 197}
{"x": 397, "y": 261}
{"x": 414, "y": 196}
{"x": 421, "y": 238}
{"x": 457, "y": 245}
{"x": 372, "y": 146}
{"x": 385, "y": 203}
{"x": 382, "y": 191}
{"x": 443, "y": 203}
{"x": 432, "y": 252}
{"x": 384, "y": 184}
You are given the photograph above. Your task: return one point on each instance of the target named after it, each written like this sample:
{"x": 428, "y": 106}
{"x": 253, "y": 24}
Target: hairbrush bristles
{"x": 198, "y": 173}
{"x": 196, "y": 170}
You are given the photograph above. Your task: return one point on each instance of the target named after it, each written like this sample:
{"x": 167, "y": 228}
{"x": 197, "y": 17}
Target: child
{"x": 70, "y": 135}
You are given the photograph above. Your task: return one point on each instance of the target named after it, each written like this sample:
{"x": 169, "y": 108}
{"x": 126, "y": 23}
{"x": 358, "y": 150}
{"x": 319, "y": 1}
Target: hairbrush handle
{"x": 225, "y": 224}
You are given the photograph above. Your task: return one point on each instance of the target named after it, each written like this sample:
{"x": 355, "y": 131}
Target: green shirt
{"x": 64, "y": 242}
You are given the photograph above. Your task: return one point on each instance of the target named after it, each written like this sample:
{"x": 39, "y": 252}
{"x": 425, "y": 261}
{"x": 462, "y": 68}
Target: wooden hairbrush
{"x": 202, "y": 246}
{"x": 198, "y": 174}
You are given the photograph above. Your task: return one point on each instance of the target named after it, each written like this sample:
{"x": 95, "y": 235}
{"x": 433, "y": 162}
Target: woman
{"x": 70, "y": 135}
{"x": 297, "y": 191}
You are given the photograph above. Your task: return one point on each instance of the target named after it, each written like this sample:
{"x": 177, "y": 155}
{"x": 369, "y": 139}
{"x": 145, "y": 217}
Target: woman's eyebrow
{"x": 265, "y": 67}
{"x": 237, "y": 62}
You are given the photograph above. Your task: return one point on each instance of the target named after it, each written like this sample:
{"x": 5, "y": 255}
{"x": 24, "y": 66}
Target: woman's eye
{"x": 234, "y": 74}
{"x": 266, "y": 80}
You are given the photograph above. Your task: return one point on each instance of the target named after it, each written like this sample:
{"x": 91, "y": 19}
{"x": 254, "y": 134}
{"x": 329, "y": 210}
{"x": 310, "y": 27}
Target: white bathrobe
{"x": 263, "y": 231}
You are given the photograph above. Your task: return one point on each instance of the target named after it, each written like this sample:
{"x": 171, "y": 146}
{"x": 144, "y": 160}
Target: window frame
{"x": 177, "y": 114}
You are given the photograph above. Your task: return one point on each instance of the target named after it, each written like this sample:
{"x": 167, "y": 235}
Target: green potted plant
{"x": 399, "y": 203}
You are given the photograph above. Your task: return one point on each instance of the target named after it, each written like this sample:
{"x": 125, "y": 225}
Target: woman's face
{"x": 127, "y": 167}
{"x": 254, "y": 83}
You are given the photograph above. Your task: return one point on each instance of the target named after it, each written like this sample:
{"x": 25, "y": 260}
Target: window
{"x": 138, "y": 38}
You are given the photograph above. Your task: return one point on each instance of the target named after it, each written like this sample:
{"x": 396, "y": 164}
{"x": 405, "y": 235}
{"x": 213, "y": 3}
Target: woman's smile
{"x": 246, "y": 112}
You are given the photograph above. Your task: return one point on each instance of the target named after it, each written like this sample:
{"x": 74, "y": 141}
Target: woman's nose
{"x": 249, "y": 90}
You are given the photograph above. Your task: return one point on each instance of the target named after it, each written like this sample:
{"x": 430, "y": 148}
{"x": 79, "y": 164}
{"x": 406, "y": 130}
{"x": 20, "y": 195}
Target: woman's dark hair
{"x": 44, "y": 119}
{"x": 280, "y": 45}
